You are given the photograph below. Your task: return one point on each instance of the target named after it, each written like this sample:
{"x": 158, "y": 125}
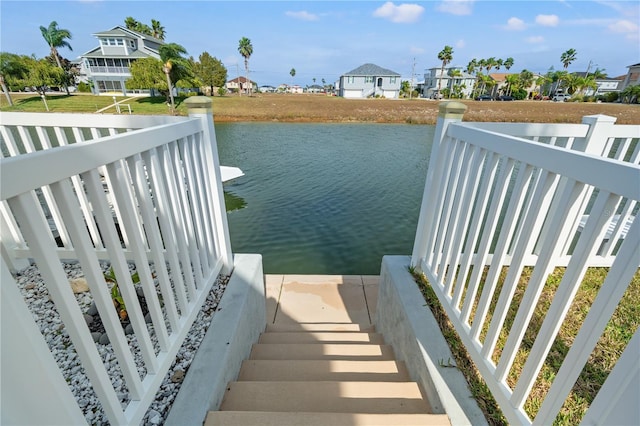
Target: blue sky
{"x": 324, "y": 39}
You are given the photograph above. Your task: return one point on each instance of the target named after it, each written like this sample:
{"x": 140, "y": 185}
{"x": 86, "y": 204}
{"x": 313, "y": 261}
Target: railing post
{"x": 449, "y": 112}
{"x": 596, "y": 142}
{"x": 201, "y": 107}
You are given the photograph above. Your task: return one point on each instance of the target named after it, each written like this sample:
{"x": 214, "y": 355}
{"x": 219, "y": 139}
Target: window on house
{"x": 112, "y": 42}
{"x": 393, "y": 79}
{"x": 132, "y": 44}
{"x": 120, "y": 42}
{"x": 368, "y": 79}
{"x": 351, "y": 79}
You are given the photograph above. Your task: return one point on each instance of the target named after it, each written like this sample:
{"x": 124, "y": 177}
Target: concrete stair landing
{"x": 321, "y": 372}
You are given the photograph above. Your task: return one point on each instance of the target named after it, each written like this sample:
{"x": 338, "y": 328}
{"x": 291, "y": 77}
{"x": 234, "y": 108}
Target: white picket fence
{"x": 123, "y": 188}
{"x": 542, "y": 195}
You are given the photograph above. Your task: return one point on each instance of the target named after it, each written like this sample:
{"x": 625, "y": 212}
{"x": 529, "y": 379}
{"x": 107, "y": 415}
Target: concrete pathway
{"x": 306, "y": 299}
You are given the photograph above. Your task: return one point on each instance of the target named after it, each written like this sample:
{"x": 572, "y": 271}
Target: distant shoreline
{"x": 306, "y": 108}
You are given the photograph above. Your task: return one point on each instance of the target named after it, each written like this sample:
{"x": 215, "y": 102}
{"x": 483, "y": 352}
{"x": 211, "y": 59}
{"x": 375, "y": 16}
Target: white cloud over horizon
{"x": 456, "y": 7}
{"x": 401, "y": 14}
{"x": 515, "y": 24}
{"x": 548, "y": 20}
{"x": 302, "y": 15}
{"x": 630, "y": 29}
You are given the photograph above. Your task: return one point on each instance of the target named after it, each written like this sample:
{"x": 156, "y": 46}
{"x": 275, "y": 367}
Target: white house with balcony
{"x": 435, "y": 78}
{"x": 369, "y": 80}
{"x": 107, "y": 66}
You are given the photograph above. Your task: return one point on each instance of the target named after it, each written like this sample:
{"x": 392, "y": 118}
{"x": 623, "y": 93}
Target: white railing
{"x": 504, "y": 196}
{"x": 151, "y": 196}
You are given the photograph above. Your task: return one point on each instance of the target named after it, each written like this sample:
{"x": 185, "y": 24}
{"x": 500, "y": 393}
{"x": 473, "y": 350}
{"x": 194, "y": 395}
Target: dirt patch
{"x": 322, "y": 108}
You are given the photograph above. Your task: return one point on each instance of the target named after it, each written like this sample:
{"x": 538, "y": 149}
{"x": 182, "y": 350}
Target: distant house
{"x": 106, "y": 67}
{"x": 267, "y": 89}
{"x": 453, "y": 78}
{"x": 296, "y": 89}
{"x": 604, "y": 85}
{"x": 633, "y": 76}
{"x": 315, "y": 88}
{"x": 369, "y": 80}
{"x": 241, "y": 84}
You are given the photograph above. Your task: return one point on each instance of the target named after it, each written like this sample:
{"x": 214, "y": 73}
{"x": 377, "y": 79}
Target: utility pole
{"x": 239, "y": 85}
{"x": 413, "y": 73}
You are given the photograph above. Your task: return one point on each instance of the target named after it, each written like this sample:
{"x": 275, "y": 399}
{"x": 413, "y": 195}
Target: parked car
{"x": 484, "y": 98}
{"x": 560, "y": 98}
{"x": 504, "y": 98}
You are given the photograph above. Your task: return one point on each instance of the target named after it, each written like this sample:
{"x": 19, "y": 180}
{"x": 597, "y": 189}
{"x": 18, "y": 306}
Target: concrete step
{"x": 322, "y": 337}
{"x": 320, "y": 326}
{"x": 262, "y": 418}
{"x": 322, "y": 397}
{"x": 314, "y": 370}
{"x": 322, "y": 351}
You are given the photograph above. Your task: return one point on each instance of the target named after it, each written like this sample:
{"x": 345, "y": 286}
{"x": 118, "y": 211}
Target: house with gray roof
{"x": 369, "y": 80}
{"x": 107, "y": 66}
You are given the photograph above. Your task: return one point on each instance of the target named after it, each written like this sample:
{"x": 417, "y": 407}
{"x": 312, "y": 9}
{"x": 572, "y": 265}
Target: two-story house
{"x": 106, "y": 67}
{"x": 455, "y": 79}
{"x": 369, "y": 80}
{"x": 241, "y": 84}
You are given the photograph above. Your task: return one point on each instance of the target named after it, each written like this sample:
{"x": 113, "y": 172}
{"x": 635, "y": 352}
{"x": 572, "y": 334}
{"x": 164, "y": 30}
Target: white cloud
{"x": 460, "y": 44}
{"x": 400, "y": 14}
{"x": 547, "y": 20}
{"x": 629, "y": 28}
{"x": 302, "y": 15}
{"x": 535, "y": 39}
{"x": 515, "y": 24}
{"x": 456, "y": 7}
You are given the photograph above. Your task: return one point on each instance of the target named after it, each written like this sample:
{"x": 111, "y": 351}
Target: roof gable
{"x": 372, "y": 70}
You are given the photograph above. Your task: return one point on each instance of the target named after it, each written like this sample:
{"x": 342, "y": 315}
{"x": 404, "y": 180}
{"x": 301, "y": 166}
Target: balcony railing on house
{"x": 502, "y": 196}
{"x": 127, "y": 189}
{"x": 109, "y": 70}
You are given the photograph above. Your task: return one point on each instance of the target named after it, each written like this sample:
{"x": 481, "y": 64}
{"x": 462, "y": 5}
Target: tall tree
{"x": 567, "y": 58}
{"x": 12, "y": 70}
{"x": 157, "y": 30}
{"x": 55, "y": 38}
{"x": 210, "y": 71}
{"x": 245, "y": 48}
{"x": 508, "y": 63}
{"x": 174, "y": 65}
{"x": 446, "y": 56}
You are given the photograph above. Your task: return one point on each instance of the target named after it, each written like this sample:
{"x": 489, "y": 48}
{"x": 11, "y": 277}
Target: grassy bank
{"x": 322, "y": 108}
{"x": 619, "y": 330}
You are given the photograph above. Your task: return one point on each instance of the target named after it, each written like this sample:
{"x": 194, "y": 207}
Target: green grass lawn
{"x": 83, "y": 103}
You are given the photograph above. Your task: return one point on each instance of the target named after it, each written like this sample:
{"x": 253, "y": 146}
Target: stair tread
{"x": 321, "y": 336}
{"x": 320, "y": 326}
{"x": 344, "y": 351}
{"x": 318, "y": 396}
{"x": 263, "y": 418}
{"x": 329, "y": 370}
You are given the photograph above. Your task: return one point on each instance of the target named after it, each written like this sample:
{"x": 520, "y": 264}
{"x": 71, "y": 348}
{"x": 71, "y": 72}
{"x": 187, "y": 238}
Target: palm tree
{"x": 157, "y": 30}
{"x": 246, "y": 50}
{"x": 292, "y": 73}
{"x": 172, "y": 60}
{"x": 445, "y": 55}
{"x": 567, "y": 58}
{"x": 508, "y": 63}
{"x": 56, "y": 37}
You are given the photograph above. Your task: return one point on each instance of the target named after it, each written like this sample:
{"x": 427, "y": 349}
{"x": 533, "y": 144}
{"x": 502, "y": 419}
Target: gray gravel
{"x": 44, "y": 311}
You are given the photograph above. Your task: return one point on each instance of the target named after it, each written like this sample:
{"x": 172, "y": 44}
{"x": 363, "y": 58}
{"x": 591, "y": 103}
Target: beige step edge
{"x": 319, "y": 326}
{"x": 339, "y": 351}
{"x": 336, "y": 397}
{"x": 321, "y": 337}
{"x": 264, "y": 418}
{"x": 323, "y": 370}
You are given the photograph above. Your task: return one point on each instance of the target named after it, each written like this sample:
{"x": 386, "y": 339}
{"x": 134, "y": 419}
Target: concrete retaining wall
{"x": 409, "y": 326}
{"x": 234, "y": 329}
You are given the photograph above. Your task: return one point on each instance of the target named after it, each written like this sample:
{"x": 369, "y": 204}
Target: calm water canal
{"x": 325, "y": 198}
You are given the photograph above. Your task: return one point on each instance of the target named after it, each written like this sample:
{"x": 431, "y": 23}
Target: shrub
{"x": 84, "y": 87}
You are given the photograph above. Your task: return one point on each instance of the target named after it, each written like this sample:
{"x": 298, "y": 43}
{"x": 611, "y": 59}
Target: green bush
{"x": 519, "y": 94}
{"x": 84, "y": 87}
